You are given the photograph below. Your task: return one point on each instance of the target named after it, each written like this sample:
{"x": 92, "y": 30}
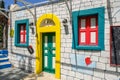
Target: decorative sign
{"x": 82, "y": 63}
{"x": 11, "y": 33}
{"x": 88, "y": 61}
{"x": 115, "y": 45}
{"x": 47, "y": 22}
{"x": 30, "y": 49}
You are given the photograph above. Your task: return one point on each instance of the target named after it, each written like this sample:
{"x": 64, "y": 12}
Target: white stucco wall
{"x": 102, "y": 70}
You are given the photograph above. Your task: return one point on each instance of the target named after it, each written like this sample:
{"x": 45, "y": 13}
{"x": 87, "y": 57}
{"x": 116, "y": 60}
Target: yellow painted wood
{"x": 45, "y": 29}
{"x": 57, "y": 68}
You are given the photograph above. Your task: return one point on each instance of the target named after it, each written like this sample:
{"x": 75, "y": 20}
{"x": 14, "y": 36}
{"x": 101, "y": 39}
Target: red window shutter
{"x": 22, "y": 34}
{"x": 88, "y": 30}
{"x": 82, "y": 31}
{"x": 93, "y": 30}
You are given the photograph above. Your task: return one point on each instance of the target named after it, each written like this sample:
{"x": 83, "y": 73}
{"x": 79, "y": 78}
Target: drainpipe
{"x": 111, "y": 24}
{"x": 70, "y": 14}
{"x": 71, "y": 11}
{"x": 69, "y": 8}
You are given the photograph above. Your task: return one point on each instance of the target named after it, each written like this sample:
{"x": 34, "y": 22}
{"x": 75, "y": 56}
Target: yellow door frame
{"x": 54, "y": 28}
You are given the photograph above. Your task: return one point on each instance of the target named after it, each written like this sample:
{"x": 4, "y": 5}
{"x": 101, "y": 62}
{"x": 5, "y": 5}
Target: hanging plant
{"x": 11, "y": 33}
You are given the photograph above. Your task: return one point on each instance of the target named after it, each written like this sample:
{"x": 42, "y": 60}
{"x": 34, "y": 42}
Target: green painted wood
{"x": 101, "y": 24}
{"x": 49, "y": 54}
{"x": 17, "y": 31}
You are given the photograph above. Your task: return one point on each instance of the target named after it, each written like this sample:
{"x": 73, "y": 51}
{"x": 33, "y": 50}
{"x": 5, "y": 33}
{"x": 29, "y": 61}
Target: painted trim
{"x": 45, "y": 29}
{"x": 112, "y": 64}
{"x": 87, "y": 31}
{"x": 49, "y": 56}
{"x": 17, "y": 28}
{"x": 101, "y": 21}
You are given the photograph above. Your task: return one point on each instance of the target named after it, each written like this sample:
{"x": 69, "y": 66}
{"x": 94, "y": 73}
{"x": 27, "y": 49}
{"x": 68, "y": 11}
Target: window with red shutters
{"x": 22, "y": 33}
{"x": 88, "y": 30}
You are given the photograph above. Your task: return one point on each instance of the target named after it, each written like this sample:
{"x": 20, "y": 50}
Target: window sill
{"x": 21, "y": 45}
{"x": 88, "y": 48}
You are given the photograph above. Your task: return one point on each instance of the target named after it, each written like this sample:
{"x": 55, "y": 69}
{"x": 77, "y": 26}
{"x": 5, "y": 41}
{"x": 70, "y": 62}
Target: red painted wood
{"x": 87, "y": 30}
{"x": 22, "y": 34}
{"x": 81, "y": 31}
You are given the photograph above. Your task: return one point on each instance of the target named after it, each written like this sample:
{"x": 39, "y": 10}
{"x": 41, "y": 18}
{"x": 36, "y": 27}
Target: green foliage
{"x": 2, "y": 4}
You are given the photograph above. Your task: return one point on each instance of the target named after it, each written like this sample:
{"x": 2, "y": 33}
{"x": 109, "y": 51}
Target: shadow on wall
{"x": 24, "y": 62}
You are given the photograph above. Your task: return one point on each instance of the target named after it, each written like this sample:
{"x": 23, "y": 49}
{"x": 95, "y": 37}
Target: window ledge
{"x": 101, "y": 21}
{"x": 21, "y": 45}
{"x": 88, "y": 47}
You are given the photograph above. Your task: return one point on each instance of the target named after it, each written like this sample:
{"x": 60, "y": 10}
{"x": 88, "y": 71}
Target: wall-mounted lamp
{"x": 65, "y": 24}
{"x": 32, "y": 27}
{"x": 31, "y": 24}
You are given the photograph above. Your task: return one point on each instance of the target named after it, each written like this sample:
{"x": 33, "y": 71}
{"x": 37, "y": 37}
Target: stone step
{"x": 6, "y": 69}
{"x": 3, "y": 56}
{"x": 3, "y": 63}
{"x": 5, "y": 66}
{"x": 4, "y": 60}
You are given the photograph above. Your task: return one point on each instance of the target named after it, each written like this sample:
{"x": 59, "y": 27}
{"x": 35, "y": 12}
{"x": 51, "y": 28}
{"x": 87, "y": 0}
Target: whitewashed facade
{"x": 99, "y": 70}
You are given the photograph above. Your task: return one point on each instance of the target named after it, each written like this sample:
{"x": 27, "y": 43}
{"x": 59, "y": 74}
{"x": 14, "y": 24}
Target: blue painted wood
{"x": 3, "y": 53}
{"x": 5, "y": 66}
{"x": 5, "y": 60}
{"x": 81, "y": 65}
{"x": 3, "y": 56}
{"x": 100, "y": 11}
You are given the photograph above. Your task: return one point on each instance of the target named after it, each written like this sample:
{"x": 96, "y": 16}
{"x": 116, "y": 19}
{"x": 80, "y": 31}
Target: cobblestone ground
{"x": 12, "y": 74}
{"x": 42, "y": 76}
{"x": 18, "y": 74}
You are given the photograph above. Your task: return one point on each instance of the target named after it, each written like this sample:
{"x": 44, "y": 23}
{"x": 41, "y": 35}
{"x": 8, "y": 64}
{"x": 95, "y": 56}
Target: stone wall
{"x": 100, "y": 68}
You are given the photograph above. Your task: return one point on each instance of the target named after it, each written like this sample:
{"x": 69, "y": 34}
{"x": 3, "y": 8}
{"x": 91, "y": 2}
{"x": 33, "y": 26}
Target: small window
{"x": 88, "y": 30}
{"x": 21, "y": 33}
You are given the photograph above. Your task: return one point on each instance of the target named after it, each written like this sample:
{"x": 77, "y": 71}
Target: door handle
{"x": 49, "y": 48}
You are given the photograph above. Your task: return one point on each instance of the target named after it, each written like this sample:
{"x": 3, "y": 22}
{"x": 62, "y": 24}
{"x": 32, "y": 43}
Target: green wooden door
{"x": 48, "y": 49}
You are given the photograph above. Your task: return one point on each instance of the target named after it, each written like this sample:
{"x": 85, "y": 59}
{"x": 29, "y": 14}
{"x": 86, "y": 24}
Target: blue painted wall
{"x": 81, "y": 64}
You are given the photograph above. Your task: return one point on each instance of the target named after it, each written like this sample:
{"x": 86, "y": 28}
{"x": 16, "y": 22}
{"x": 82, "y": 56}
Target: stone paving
{"x": 18, "y": 74}
{"x": 42, "y": 76}
{"x": 12, "y": 74}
